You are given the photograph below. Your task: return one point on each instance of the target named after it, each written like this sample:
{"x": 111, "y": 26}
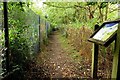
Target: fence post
{"x": 6, "y": 30}
{"x": 39, "y": 36}
{"x": 116, "y": 55}
{"x": 95, "y": 57}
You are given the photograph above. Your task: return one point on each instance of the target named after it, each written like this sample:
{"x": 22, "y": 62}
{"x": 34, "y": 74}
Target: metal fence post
{"x": 39, "y": 35}
{"x": 6, "y": 30}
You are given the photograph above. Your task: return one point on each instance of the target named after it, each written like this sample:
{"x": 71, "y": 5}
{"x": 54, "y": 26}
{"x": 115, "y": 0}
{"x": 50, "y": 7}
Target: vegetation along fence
{"x": 45, "y": 29}
{"x": 1, "y": 47}
{"x": 20, "y": 38}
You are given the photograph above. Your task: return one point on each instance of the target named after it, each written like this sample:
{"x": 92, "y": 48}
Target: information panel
{"x": 105, "y": 32}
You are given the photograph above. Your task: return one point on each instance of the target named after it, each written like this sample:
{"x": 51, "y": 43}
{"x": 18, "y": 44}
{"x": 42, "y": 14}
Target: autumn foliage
{"x": 78, "y": 38}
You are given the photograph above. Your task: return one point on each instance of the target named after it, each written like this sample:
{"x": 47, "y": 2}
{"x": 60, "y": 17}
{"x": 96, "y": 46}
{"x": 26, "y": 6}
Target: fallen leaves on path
{"x": 55, "y": 62}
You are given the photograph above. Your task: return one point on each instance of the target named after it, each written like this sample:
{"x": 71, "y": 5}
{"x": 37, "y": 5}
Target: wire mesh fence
{"x": 23, "y": 35}
{"x": 23, "y": 26}
{"x": 1, "y": 38}
{"x": 27, "y": 34}
{"x": 45, "y": 30}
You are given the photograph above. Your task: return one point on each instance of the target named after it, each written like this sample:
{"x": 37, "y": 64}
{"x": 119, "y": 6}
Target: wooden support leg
{"x": 116, "y": 55}
{"x": 116, "y": 60}
{"x": 95, "y": 59}
{"x": 116, "y": 64}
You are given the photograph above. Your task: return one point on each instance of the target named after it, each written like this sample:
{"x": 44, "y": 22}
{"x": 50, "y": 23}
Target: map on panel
{"x": 106, "y": 31}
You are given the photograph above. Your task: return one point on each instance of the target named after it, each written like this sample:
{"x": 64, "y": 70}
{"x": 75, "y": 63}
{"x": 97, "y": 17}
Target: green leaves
{"x": 91, "y": 3}
{"x": 103, "y": 4}
{"x": 23, "y": 33}
{"x": 73, "y": 12}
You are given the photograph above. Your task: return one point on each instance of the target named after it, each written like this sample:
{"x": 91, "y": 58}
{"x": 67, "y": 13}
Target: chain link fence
{"x": 27, "y": 34}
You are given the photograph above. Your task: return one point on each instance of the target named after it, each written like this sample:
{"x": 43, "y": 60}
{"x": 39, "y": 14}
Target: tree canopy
{"x": 73, "y": 12}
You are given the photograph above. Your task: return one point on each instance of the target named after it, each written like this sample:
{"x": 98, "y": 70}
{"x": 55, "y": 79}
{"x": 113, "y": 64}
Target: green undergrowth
{"x": 71, "y": 51}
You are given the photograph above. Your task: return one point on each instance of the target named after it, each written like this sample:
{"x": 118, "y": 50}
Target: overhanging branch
{"x": 65, "y": 6}
{"x": 58, "y": 6}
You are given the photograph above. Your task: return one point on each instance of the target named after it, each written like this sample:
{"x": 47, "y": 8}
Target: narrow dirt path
{"x": 55, "y": 62}
{"x": 58, "y": 63}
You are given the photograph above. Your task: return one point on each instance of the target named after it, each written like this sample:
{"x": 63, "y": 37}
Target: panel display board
{"x": 105, "y": 34}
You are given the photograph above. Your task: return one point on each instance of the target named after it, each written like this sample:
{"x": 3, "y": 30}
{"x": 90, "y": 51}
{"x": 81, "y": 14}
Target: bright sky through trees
{"x": 39, "y": 3}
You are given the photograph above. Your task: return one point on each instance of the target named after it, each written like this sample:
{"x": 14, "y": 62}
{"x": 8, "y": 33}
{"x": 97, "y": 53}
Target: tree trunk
{"x": 90, "y": 13}
{"x": 101, "y": 15}
{"x": 106, "y": 13}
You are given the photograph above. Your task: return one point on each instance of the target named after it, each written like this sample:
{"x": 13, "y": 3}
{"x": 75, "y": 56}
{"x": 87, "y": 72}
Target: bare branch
{"x": 114, "y": 10}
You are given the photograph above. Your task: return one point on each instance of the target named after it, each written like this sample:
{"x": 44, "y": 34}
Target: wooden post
{"x": 116, "y": 55}
{"x": 95, "y": 57}
{"x": 116, "y": 59}
{"x": 6, "y": 30}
